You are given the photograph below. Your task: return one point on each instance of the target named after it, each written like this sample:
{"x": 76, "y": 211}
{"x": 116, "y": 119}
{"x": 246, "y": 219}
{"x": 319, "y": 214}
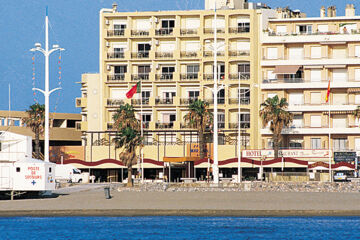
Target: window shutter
{"x": 143, "y": 24}
{"x": 243, "y": 46}
{"x": 315, "y": 75}
{"x": 118, "y": 93}
{"x": 296, "y": 53}
{"x": 315, "y": 98}
{"x": 339, "y": 121}
{"x": 192, "y": 46}
{"x": 340, "y": 99}
{"x": 296, "y": 98}
{"x": 323, "y": 28}
{"x": 315, "y": 52}
{"x": 281, "y": 29}
{"x": 357, "y": 74}
{"x": 272, "y": 53}
{"x": 192, "y": 23}
{"x": 315, "y": 121}
{"x": 339, "y": 75}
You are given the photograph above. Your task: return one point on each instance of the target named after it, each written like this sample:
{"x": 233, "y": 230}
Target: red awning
{"x": 291, "y": 69}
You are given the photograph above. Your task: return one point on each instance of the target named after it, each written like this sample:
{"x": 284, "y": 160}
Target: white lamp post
{"x": 46, "y": 52}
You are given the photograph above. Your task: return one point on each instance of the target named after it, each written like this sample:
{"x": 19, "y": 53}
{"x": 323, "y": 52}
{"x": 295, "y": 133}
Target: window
{"x": 244, "y": 95}
{"x": 315, "y": 143}
{"x": 50, "y": 169}
{"x": 243, "y": 25}
{"x": 271, "y": 75}
{"x": 272, "y": 53}
{"x": 143, "y": 49}
{"x": 221, "y": 120}
{"x": 143, "y": 24}
{"x": 340, "y": 144}
{"x": 145, "y": 97}
{"x": 146, "y": 117}
{"x": 221, "y": 96}
{"x": 281, "y": 30}
{"x": 192, "y": 23}
{"x": 167, "y": 47}
{"x": 357, "y": 144}
{"x": 143, "y": 71}
{"x": 315, "y": 98}
{"x": 270, "y": 143}
{"x": 193, "y": 95}
{"x": 296, "y": 53}
{"x": 192, "y": 71}
{"x": 296, "y": 143}
{"x": 339, "y": 52}
{"x": 357, "y": 74}
{"x": 244, "y": 70}
{"x": 340, "y": 98}
{"x": 118, "y": 93}
{"x": 315, "y": 121}
{"x": 148, "y": 139}
{"x": 243, "y": 46}
{"x": 192, "y": 46}
{"x": 339, "y": 121}
{"x": 167, "y": 26}
{"x": 296, "y": 99}
{"x": 297, "y": 121}
{"x": 357, "y": 101}
{"x": 315, "y": 75}
{"x": 244, "y": 120}
{"x": 167, "y": 72}
{"x": 120, "y": 72}
{"x": 17, "y": 169}
{"x": 357, "y": 51}
{"x": 220, "y": 73}
{"x": 315, "y": 52}
{"x": 340, "y": 75}
{"x": 323, "y": 28}
{"x": 304, "y": 29}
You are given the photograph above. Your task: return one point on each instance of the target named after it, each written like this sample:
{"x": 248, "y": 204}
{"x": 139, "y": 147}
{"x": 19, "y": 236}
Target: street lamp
{"x": 46, "y": 52}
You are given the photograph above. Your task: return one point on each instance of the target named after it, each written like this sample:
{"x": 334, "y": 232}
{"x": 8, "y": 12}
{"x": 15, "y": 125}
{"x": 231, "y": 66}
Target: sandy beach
{"x": 90, "y": 201}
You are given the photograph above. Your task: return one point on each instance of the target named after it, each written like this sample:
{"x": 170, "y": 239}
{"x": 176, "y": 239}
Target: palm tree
{"x": 274, "y": 111}
{"x": 356, "y": 112}
{"x": 36, "y": 121}
{"x": 128, "y": 137}
{"x": 199, "y": 117}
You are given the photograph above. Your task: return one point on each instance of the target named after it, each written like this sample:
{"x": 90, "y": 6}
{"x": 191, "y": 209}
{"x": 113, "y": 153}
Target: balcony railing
{"x": 140, "y": 76}
{"x": 145, "y": 101}
{"x": 116, "y": 77}
{"x": 239, "y": 30}
{"x": 210, "y": 77}
{"x": 164, "y": 76}
{"x": 114, "y": 102}
{"x": 313, "y": 33}
{"x": 189, "y": 76}
{"x": 116, "y": 55}
{"x": 220, "y": 100}
{"x": 212, "y": 30}
{"x": 146, "y": 125}
{"x": 243, "y": 101}
{"x": 168, "y": 101}
{"x": 244, "y": 125}
{"x": 160, "y": 125}
{"x": 188, "y": 54}
{"x": 140, "y": 55}
{"x": 164, "y": 55}
{"x": 187, "y": 101}
{"x": 116, "y": 32}
{"x": 221, "y": 125}
{"x": 184, "y": 125}
{"x": 139, "y": 32}
{"x": 188, "y": 31}
{"x": 164, "y": 32}
{"x": 241, "y": 76}
{"x": 301, "y": 80}
{"x": 211, "y": 53}
{"x": 239, "y": 53}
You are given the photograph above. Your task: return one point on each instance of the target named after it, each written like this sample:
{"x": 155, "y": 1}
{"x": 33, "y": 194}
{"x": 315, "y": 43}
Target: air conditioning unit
{"x": 107, "y": 44}
{"x": 156, "y": 20}
{"x": 108, "y": 67}
{"x": 107, "y": 22}
{"x": 157, "y": 66}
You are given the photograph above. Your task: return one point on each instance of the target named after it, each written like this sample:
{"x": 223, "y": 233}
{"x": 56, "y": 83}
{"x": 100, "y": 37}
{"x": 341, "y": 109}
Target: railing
{"x": 145, "y": 101}
{"x": 187, "y": 101}
{"x": 184, "y": 125}
{"x": 78, "y": 126}
{"x": 189, "y": 54}
{"x": 243, "y": 101}
{"x": 241, "y": 76}
{"x": 164, "y": 76}
{"x": 209, "y": 77}
{"x": 301, "y": 80}
{"x": 140, "y": 55}
{"x": 347, "y": 102}
{"x": 238, "y": 53}
{"x": 114, "y": 102}
{"x": 168, "y": 101}
{"x": 146, "y": 125}
{"x": 221, "y": 125}
{"x": 159, "y": 125}
{"x": 219, "y": 100}
{"x": 164, "y": 55}
{"x": 141, "y": 76}
{"x": 239, "y": 30}
{"x": 212, "y": 30}
{"x": 116, "y": 32}
{"x": 189, "y": 76}
{"x": 139, "y": 32}
{"x": 115, "y": 55}
{"x": 116, "y": 77}
{"x": 211, "y": 53}
{"x": 188, "y": 31}
{"x": 243, "y": 125}
{"x": 164, "y": 32}
{"x": 312, "y": 33}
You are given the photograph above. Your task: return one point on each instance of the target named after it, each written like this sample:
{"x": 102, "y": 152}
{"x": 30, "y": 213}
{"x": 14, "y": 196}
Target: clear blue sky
{"x": 75, "y": 27}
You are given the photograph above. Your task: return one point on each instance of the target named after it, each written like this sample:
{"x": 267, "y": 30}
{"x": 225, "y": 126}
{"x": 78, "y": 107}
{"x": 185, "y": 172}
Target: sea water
{"x": 179, "y": 228}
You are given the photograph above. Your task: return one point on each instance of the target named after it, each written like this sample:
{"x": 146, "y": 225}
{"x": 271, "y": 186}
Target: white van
{"x": 69, "y": 173}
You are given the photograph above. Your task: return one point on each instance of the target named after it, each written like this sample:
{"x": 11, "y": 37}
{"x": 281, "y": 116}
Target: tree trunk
{"x": 201, "y": 144}
{"x": 130, "y": 181}
{"x": 37, "y": 144}
{"x": 276, "y": 146}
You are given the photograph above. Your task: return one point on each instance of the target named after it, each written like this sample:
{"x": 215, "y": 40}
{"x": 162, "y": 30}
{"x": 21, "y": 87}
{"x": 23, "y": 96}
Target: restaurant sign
{"x": 344, "y": 156}
{"x": 293, "y": 153}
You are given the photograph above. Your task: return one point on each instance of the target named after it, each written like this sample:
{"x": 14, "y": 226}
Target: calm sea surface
{"x": 179, "y": 228}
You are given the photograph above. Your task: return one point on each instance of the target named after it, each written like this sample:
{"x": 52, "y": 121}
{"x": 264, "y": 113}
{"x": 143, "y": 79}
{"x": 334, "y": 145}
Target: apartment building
{"x": 300, "y": 57}
{"x": 172, "y": 54}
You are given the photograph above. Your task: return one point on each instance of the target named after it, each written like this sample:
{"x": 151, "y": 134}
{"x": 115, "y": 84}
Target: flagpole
{"x": 330, "y": 177}
{"x": 142, "y": 134}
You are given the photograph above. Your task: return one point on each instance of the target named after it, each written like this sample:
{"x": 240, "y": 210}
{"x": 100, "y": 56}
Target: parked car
{"x": 340, "y": 176}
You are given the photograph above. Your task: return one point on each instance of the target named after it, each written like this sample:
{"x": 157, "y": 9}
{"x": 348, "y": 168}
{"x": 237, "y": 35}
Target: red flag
{"x": 133, "y": 90}
{"x": 328, "y": 93}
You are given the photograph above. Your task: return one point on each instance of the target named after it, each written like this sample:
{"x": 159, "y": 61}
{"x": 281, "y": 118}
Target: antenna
{"x": 9, "y": 104}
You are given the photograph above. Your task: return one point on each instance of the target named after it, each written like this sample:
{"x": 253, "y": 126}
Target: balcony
{"x": 114, "y": 102}
{"x": 346, "y": 107}
{"x": 210, "y": 77}
{"x": 139, "y": 33}
{"x": 324, "y": 129}
{"x": 164, "y": 55}
{"x": 140, "y": 55}
{"x": 164, "y": 76}
{"x": 81, "y": 102}
{"x": 210, "y": 101}
{"x": 185, "y": 54}
{"x": 116, "y": 55}
{"x": 234, "y": 30}
{"x": 239, "y": 53}
{"x": 160, "y": 125}
{"x": 243, "y": 101}
{"x": 140, "y": 76}
{"x": 188, "y": 31}
{"x": 239, "y": 76}
{"x": 211, "y": 53}
{"x": 116, "y": 32}
{"x": 164, "y": 101}
{"x": 244, "y": 125}
{"x": 164, "y": 32}
{"x": 212, "y": 30}
{"x": 189, "y": 76}
{"x": 146, "y": 125}
{"x": 145, "y": 101}
{"x": 185, "y": 126}
{"x": 187, "y": 101}
{"x": 221, "y": 125}
{"x": 116, "y": 77}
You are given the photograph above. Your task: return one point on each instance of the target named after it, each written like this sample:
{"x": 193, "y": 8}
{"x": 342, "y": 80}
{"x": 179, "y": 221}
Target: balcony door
{"x": 144, "y": 48}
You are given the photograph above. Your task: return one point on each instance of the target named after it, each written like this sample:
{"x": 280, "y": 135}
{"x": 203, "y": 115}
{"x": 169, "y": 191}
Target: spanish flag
{"x": 328, "y": 92}
{"x": 133, "y": 90}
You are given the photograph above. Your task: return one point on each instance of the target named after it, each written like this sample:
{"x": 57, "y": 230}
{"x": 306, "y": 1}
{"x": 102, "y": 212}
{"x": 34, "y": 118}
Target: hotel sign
{"x": 345, "y": 156}
{"x": 293, "y": 153}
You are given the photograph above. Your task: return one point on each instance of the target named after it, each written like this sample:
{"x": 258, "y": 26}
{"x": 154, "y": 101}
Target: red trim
{"x": 333, "y": 166}
{"x": 108, "y": 161}
{"x": 255, "y": 162}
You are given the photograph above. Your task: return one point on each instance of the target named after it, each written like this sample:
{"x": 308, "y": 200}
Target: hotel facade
{"x": 171, "y": 53}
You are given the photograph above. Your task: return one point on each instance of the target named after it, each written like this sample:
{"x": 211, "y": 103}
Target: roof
{"x": 20, "y": 114}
